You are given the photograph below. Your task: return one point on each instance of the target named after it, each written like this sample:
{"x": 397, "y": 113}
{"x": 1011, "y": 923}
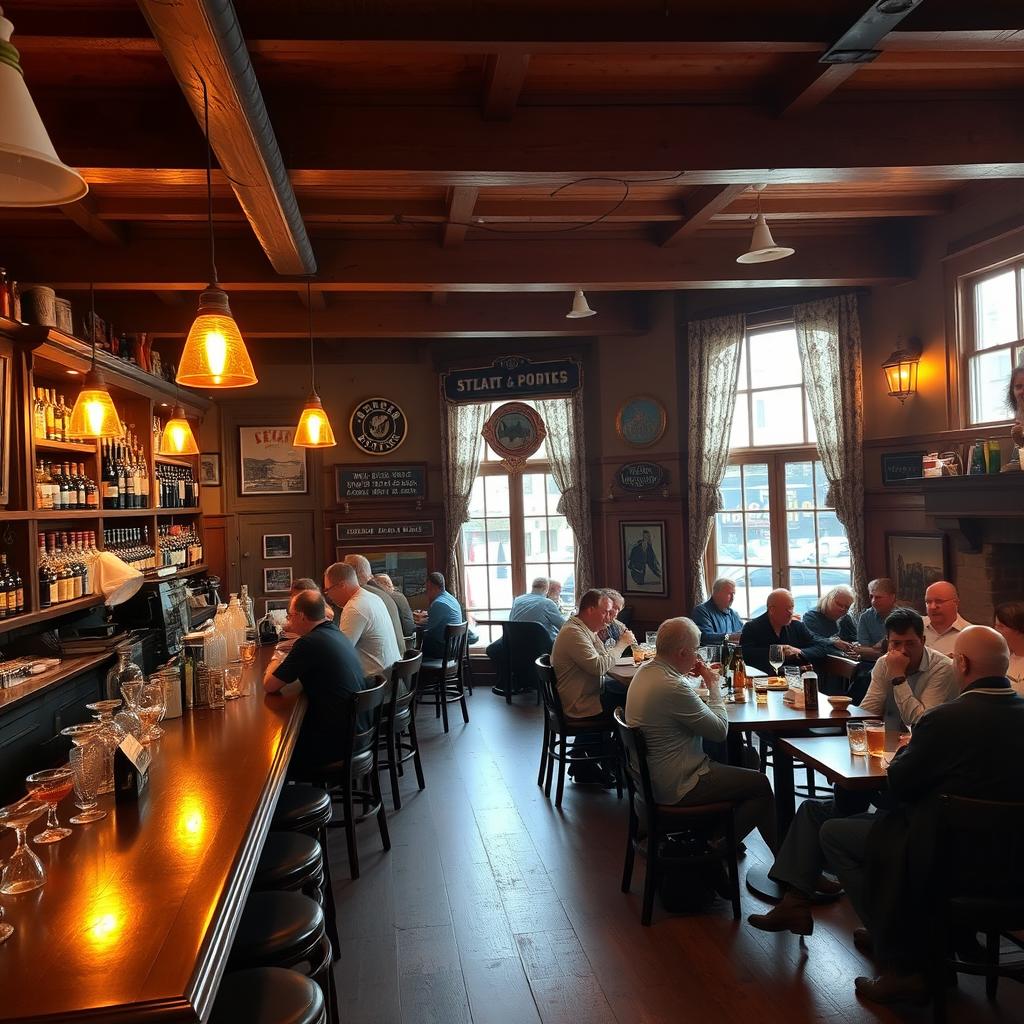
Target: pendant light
{"x": 314, "y": 429}
{"x": 215, "y": 355}
{"x": 763, "y": 248}
{"x": 580, "y": 307}
{"x": 31, "y": 173}
{"x": 94, "y": 414}
{"x": 177, "y": 438}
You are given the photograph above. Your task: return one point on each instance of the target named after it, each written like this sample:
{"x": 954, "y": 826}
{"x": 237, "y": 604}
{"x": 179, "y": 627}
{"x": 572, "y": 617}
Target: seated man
{"x": 969, "y": 748}
{"x": 288, "y": 638}
{"x": 717, "y": 621}
{"x": 777, "y": 626}
{"x": 555, "y": 593}
{"x": 325, "y": 661}
{"x": 871, "y": 624}
{"x": 943, "y": 621}
{"x": 532, "y": 607}
{"x": 907, "y": 681}
{"x": 612, "y": 628}
{"x": 444, "y": 611}
{"x": 675, "y": 721}
{"x": 365, "y": 576}
{"x": 383, "y": 582}
{"x": 364, "y": 620}
{"x": 831, "y": 619}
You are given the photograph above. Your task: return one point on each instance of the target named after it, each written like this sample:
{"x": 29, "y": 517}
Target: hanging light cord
{"x": 92, "y": 321}
{"x": 209, "y": 176}
{"x": 309, "y": 312}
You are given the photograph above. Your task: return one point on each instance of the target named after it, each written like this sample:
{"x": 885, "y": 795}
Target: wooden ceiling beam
{"x": 700, "y": 207}
{"x": 461, "y": 201}
{"x": 317, "y": 300}
{"x": 504, "y": 76}
{"x": 83, "y": 213}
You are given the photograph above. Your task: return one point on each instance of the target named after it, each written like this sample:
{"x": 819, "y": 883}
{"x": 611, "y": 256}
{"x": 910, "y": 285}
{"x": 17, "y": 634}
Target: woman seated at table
{"x": 831, "y": 620}
{"x": 675, "y": 722}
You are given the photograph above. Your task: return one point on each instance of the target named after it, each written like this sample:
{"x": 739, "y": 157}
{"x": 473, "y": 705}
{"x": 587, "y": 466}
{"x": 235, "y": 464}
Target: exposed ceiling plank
{"x": 169, "y": 298}
{"x": 83, "y": 213}
{"x": 504, "y": 75}
{"x": 202, "y": 41}
{"x": 700, "y": 208}
{"x": 317, "y": 299}
{"x": 461, "y": 201}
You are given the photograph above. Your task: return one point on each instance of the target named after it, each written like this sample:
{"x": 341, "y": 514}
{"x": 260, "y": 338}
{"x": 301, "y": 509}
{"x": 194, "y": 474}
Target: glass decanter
{"x": 109, "y": 736}
{"x": 125, "y": 671}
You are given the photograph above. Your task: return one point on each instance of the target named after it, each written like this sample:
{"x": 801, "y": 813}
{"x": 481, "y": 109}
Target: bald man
{"x": 969, "y": 747}
{"x": 943, "y": 621}
{"x": 777, "y": 626}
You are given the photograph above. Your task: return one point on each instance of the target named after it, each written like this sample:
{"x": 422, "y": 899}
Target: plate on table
{"x": 775, "y": 683}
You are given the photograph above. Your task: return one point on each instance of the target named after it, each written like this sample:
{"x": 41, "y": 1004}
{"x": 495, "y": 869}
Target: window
{"x": 994, "y": 340}
{"x": 514, "y": 534}
{"x": 776, "y": 528}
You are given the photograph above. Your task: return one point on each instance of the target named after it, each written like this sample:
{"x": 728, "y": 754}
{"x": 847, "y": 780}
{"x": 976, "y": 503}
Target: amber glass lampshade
{"x": 94, "y": 414}
{"x": 314, "y": 429}
{"x": 177, "y": 438}
{"x": 215, "y": 355}
{"x": 900, "y": 371}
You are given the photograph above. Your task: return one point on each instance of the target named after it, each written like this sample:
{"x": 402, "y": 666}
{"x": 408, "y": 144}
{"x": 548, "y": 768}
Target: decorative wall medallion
{"x": 515, "y": 431}
{"x": 378, "y": 426}
{"x": 641, "y": 421}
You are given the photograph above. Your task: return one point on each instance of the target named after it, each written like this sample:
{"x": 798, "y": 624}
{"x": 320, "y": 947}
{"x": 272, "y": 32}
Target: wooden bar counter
{"x": 137, "y": 916}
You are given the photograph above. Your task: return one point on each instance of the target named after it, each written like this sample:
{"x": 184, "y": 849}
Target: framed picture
{"x": 643, "y": 559}
{"x": 5, "y": 425}
{"x": 209, "y": 469}
{"x": 641, "y": 421}
{"x": 916, "y": 561}
{"x": 277, "y": 545}
{"x": 269, "y": 462}
{"x": 277, "y": 580}
{"x": 407, "y": 569}
{"x": 277, "y": 609}
{"x": 514, "y": 431}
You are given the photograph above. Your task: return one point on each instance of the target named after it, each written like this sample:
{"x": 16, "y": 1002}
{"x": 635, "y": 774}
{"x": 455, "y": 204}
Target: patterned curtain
{"x": 715, "y": 347}
{"x": 828, "y": 333}
{"x": 563, "y": 418}
{"x": 460, "y": 461}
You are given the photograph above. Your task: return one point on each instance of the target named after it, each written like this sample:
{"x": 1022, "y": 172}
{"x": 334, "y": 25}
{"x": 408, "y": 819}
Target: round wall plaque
{"x": 378, "y": 426}
{"x": 641, "y": 476}
{"x": 515, "y": 431}
{"x": 641, "y": 421}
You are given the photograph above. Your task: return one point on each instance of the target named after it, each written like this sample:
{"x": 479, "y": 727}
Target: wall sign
{"x": 902, "y": 467}
{"x": 381, "y": 483}
{"x": 514, "y": 431}
{"x": 358, "y": 532}
{"x": 641, "y": 421}
{"x": 378, "y": 426}
{"x": 513, "y": 377}
{"x": 641, "y": 476}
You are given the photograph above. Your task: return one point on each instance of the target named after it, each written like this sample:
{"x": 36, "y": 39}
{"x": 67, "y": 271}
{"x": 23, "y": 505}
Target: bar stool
{"x": 268, "y": 995}
{"x": 441, "y": 679}
{"x": 291, "y": 862}
{"x": 286, "y": 929}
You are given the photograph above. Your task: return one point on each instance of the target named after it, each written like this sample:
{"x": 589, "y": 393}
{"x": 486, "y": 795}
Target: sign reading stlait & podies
{"x": 512, "y": 377}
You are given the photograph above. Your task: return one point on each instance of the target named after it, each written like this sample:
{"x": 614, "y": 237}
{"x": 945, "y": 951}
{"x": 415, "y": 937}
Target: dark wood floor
{"x": 493, "y": 907}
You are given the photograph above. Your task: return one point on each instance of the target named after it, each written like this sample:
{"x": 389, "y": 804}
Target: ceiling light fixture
{"x": 215, "y": 355}
{"x": 580, "y": 307}
{"x": 177, "y": 437}
{"x": 31, "y": 173}
{"x": 763, "y": 248}
{"x": 94, "y": 414}
{"x": 314, "y": 429}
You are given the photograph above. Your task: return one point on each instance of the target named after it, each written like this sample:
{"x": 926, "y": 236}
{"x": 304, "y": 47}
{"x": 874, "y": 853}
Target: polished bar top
{"x": 137, "y": 917}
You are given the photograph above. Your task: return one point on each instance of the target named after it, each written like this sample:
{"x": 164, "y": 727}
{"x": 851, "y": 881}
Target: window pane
{"x": 474, "y": 542}
{"x": 755, "y": 486}
{"x": 821, "y": 485}
{"x": 732, "y": 496}
{"x": 476, "y": 587}
{"x": 496, "y": 491}
{"x": 800, "y": 538}
{"x": 729, "y": 537}
{"x": 740, "y": 436}
{"x": 533, "y": 494}
{"x": 995, "y": 301}
{"x": 742, "y": 383}
{"x": 566, "y": 575}
{"x": 499, "y": 546}
{"x": 774, "y": 359}
{"x": 812, "y": 431}
{"x": 798, "y": 479}
{"x": 500, "y": 579}
{"x": 554, "y": 494}
{"x": 990, "y": 374}
{"x": 560, "y": 539}
{"x": 535, "y": 539}
{"x": 759, "y": 542}
{"x": 833, "y": 546}
{"x": 778, "y": 418}
{"x": 476, "y": 497}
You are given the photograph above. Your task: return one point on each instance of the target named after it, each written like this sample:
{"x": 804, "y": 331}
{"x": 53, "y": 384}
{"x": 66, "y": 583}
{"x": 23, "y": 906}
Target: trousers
{"x": 753, "y": 791}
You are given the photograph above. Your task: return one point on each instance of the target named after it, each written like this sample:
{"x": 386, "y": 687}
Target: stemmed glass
{"x": 87, "y": 768}
{"x": 24, "y": 871}
{"x": 150, "y": 706}
{"x": 51, "y": 786}
{"x": 247, "y": 650}
{"x": 776, "y": 657}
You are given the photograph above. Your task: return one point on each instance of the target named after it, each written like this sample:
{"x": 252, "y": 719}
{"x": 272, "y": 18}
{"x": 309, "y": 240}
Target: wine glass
{"x": 87, "y": 768}
{"x": 24, "y": 871}
{"x": 775, "y": 657}
{"x": 150, "y": 706}
{"x": 51, "y": 786}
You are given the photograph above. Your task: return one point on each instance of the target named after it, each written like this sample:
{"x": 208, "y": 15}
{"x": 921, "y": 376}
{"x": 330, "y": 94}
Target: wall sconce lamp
{"x": 900, "y": 370}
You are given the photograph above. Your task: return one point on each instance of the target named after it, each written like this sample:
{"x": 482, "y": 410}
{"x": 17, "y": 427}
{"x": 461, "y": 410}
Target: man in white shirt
{"x": 943, "y": 621}
{"x": 364, "y": 620}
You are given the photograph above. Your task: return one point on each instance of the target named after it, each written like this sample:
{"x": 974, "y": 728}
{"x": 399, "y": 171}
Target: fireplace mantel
{"x": 975, "y": 509}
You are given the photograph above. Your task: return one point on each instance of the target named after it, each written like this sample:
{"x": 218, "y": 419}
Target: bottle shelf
{"x": 50, "y": 515}
{"x": 168, "y": 512}
{"x": 126, "y": 513}
{"x": 80, "y": 604}
{"x": 65, "y": 446}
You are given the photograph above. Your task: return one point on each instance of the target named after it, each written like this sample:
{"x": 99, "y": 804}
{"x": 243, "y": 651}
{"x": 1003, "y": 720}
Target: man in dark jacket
{"x": 777, "y": 626}
{"x": 969, "y": 747}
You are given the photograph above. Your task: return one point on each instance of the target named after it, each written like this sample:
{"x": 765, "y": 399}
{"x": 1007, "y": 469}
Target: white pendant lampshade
{"x": 762, "y": 246}
{"x": 31, "y": 173}
{"x": 580, "y": 307}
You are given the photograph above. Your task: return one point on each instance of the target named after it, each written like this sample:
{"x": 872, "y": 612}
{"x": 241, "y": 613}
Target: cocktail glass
{"x": 23, "y": 871}
{"x": 87, "y": 767}
{"x": 50, "y": 786}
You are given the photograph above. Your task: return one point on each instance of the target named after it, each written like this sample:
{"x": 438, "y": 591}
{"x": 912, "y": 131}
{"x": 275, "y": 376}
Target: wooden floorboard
{"x": 493, "y": 907}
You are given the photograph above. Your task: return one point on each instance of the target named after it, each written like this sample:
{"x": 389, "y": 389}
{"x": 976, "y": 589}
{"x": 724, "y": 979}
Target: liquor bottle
{"x": 244, "y": 600}
{"x": 19, "y": 593}
{"x": 739, "y": 678}
{"x": 92, "y": 494}
{"x": 62, "y": 418}
{"x": 39, "y": 416}
{"x": 109, "y": 482}
{"x": 7, "y": 598}
{"x": 48, "y": 412}
{"x": 810, "y": 680}
{"x": 48, "y": 591}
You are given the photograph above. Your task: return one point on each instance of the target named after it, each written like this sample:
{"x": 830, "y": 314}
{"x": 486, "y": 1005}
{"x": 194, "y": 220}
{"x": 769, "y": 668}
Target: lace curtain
{"x": 460, "y": 461}
{"x": 828, "y": 335}
{"x": 714, "y": 347}
{"x": 563, "y": 418}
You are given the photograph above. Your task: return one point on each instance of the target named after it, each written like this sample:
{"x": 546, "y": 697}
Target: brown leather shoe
{"x": 828, "y": 886}
{"x": 793, "y": 914}
{"x": 893, "y": 988}
{"x": 863, "y": 941}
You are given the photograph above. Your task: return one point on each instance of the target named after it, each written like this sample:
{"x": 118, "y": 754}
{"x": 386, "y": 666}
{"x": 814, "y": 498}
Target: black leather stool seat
{"x": 276, "y": 929}
{"x": 301, "y": 808}
{"x": 290, "y": 860}
{"x": 268, "y": 995}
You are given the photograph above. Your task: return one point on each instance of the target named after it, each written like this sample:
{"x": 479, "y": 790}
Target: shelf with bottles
{"x": 15, "y": 591}
{"x": 176, "y": 486}
{"x": 63, "y": 486}
{"x": 81, "y": 449}
{"x": 125, "y": 483}
{"x": 178, "y": 545}
{"x": 65, "y": 568}
{"x": 133, "y": 545}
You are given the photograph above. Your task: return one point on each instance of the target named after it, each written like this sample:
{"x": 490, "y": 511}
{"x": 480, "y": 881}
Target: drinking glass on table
{"x": 87, "y": 765}
{"x": 875, "y": 732}
{"x": 233, "y": 681}
{"x": 150, "y": 707}
{"x": 50, "y": 787}
{"x": 23, "y": 871}
{"x": 856, "y": 735}
{"x": 652, "y": 639}
{"x": 776, "y": 657}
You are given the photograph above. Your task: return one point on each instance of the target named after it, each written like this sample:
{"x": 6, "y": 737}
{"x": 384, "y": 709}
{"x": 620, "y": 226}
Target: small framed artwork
{"x": 277, "y": 580}
{"x": 209, "y": 469}
{"x": 641, "y": 421}
{"x": 916, "y": 561}
{"x": 277, "y": 609}
{"x": 277, "y": 545}
{"x": 269, "y": 463}
{"x": 643, "y": 558}
{"x": 514, "y": 431}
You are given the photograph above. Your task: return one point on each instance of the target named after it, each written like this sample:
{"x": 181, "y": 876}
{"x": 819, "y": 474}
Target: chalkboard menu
{"x": 419, "y": 530}
{"x": 641, "y": 476}
{"x": 381, "y": 483}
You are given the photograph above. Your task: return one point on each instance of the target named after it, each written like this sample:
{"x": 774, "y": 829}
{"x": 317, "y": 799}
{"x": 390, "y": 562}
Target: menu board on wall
{"x": 381, "y": 482}
{"x": 512, "y": 377}
{"x": 352, "y": 532}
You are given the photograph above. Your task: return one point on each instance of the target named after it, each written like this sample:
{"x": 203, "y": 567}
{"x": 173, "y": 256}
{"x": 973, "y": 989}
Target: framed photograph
{"x": 277, "y": 580}
{"x": 277, "y": 545}
{"x": 269, "y": 462}
{"x": 641, "y": 421}
{"x": 277, "y": 609}
{"x": 407, "y": 569}
{"x": 916, "y": 561}
{"x": 5, "y": 425}
{"x": 643, "y": 559}
{"x": 209, "y": 469}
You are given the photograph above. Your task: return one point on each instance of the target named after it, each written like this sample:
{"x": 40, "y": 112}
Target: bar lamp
{"x": 314, "y": 429}
{"x": 177, "y": 438}
{"x": 900, "y": 370}
{"x": 94, "y": 414}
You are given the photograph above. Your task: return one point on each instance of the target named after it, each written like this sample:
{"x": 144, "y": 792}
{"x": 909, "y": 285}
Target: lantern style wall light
{"x": 900, "y": 370}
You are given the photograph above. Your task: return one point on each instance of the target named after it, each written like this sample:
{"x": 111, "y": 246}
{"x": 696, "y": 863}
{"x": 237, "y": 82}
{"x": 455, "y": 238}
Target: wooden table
{"x": 831, "y": 756}
{"x": 137, "y": 916}
{"x": 624, "y": 673}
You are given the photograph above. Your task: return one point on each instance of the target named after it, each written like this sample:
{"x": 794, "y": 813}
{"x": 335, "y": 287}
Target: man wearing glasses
{"x": 943, "y": 623}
